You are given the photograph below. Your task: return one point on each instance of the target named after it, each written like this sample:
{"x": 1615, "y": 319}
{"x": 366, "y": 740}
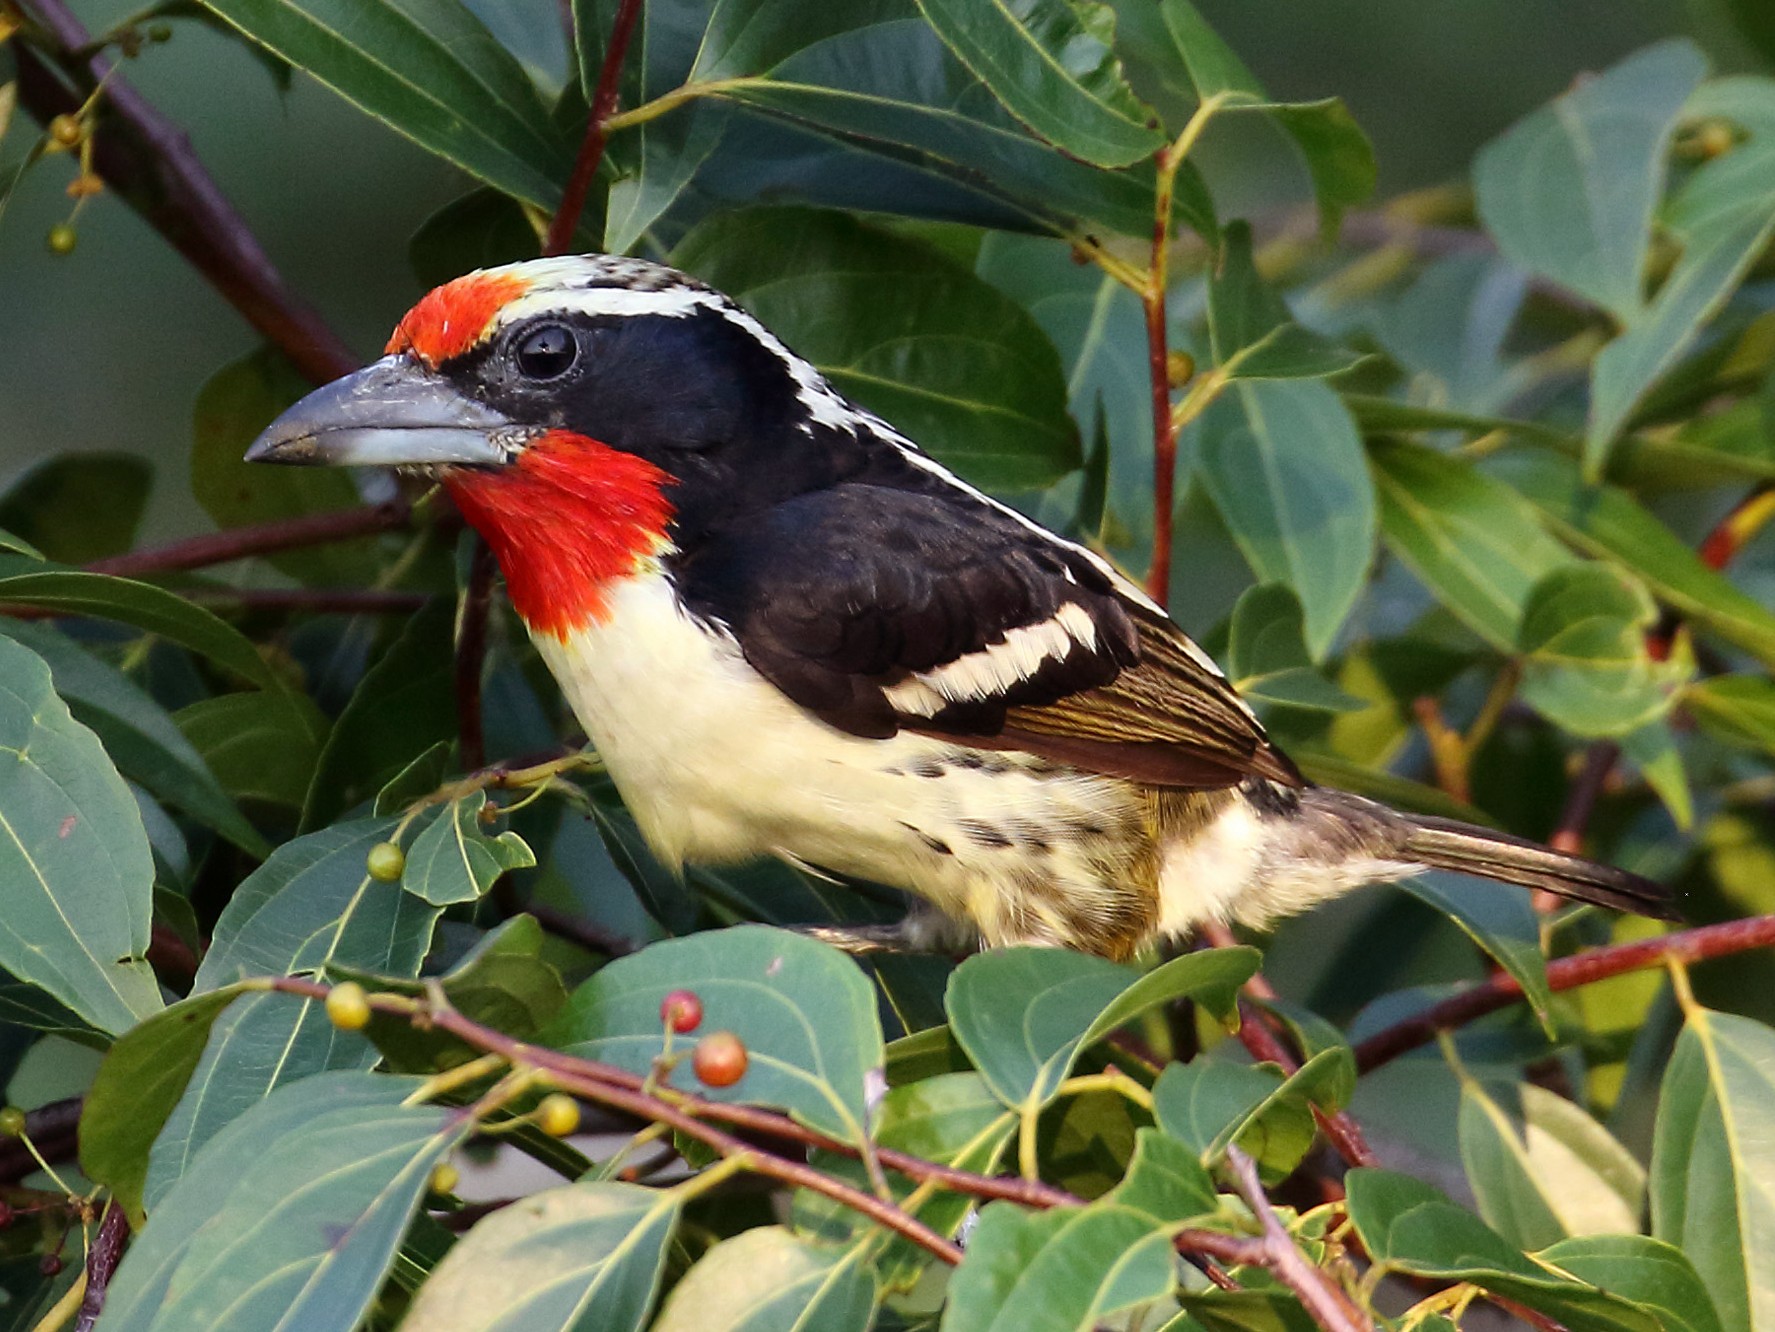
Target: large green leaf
{"x": 1050, "y": 62}
{"x": 804, "y": 1010}
{"x": 1023, "y": 1014}
{"x": 768, "y": 1280}
{"x": 453, "y": 859}
{"x": 585, "y": 1258}
{"x": 142, "y": 740}
{"x": 959, "y": 367}
{"x": 1285, "y": 467}
{"x": 1542, "y": 1169}
{"x": 1585, "y": 664}
{"x": 1569, "y": 191}
{"x": 1651, "y": 1273}
{"x": 78, "y": 507}
{"x": 1502, "y": 921}
{"x": 1166, "y": 1180}
{"x": 430, "y": 70}
{"x": 310, "y": 908}
{"x": 1739, "y": 709}
{"x": 1209, "y": 1104}
{"x": 1608, "y": 521}
{"x": 260, "y": 745}
{"x": 1474, "y": 542}
{"x": 292, "y": 1216}
{"x": 137, "y": 1086}
{"x": 1713, "y": 1162}
{"x": 1409, "y": 1226}
{"x": 78, "y": 872}
{"x": 233, "y": 406}
{"x": 1063, "y": 1270}
{"x": 1267, "y": 658}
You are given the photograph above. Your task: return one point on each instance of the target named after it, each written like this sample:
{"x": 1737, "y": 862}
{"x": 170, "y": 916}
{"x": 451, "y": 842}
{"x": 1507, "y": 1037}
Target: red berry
{"x": 681, "y": 1010}
{"x": 51, "y": 1265}
{"x": 719, "y": 1059}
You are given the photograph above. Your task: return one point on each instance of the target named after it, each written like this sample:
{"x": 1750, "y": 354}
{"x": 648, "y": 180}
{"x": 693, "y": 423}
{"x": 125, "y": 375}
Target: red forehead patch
{"x": 450, "y": 319}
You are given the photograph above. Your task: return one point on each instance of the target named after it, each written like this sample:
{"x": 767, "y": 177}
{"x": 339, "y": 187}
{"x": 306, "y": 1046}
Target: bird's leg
{"x": 918, "y": 932}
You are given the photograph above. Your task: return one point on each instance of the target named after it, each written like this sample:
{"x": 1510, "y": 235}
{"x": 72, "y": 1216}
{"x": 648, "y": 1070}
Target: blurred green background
{"x": 104, "y": 349}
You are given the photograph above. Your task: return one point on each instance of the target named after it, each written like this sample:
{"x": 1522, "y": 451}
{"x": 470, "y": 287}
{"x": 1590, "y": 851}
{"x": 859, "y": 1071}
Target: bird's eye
{"x": 547, "y": 352}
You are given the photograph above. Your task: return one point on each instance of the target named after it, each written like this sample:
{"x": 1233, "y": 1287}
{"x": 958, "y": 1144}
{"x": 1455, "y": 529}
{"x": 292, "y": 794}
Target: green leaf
{"x": 1713, "y": 263}
{"x": 894, "y": 93}
{"x": 1249, "y": 327}
{"x": 1165, "y": 1181}
{"x": 144, "y": 743}
{"x": 1191, "y": 63}
{"x": 260, "y": 746}
{"x": 503, "y": 982}
{"x": 151, "y": 609}
{"x": 1050, "y": 62}
{"x": 1409, "y": 1226}
{"x": 78, "y": 507}
{"x": 292, "y": 1215}
{"x": 1023, "y": 1014}
{"x": 1608, "y": 521}
{"x": 1267, "y": 654}
{"x": 1585, "y": 664}
{"x": 137, "y": 1086}
{"x": 1713, "y": 1167}
{"x": 585, "y": 1258}
{"x": 1066, "y": 1268}
{"x": 1501, "y": 921}
{"x": 1569, "y": 191}
{"x": 404, "y": 704}
{"x": 960, "y": 368}
{"x": 311, "y": 909}
{"x": 668, "y": 152}
{"x": 482, "y": 229}
{"x": 768, "y": 1280}
{"x": 453, "y": 860}
{"x": 1209, "y": 1103}
{"x": 1285, "y": 467}
{"x": 1475, "y": 543}
{"x": 73, "y": 855}
{"x": 951, "y": 1118}
{"x": 233, "y": 406}
{"x": 1739, "y": 709}
{"x": 804, "y": 1010}
{"x": 1649, "y": 1272}
{"x": 1541, "y": 1169}
{"x": 428, "y": 69}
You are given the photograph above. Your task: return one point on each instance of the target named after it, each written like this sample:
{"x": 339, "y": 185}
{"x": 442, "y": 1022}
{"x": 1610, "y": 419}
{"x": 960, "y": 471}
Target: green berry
{"x": 386, "y": 862}
{"x": 66, "y": 130}
{"x": 12, "y": 1122}
{"x": 62, "y": 239}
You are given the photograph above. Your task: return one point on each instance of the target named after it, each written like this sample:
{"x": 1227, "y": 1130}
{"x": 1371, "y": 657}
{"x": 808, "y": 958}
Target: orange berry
{"x": 719, "y": 1059}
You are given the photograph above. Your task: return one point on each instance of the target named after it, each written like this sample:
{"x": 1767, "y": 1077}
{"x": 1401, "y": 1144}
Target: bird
{"x": 789, "y": 631}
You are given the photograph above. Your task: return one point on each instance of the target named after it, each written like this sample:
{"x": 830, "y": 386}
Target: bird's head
{"x": 584, "y": 413}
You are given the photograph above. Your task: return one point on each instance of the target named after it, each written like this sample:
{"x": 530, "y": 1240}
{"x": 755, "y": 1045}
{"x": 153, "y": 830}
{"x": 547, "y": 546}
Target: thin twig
{"x": 592, "y": 937}
{"x": 1501, "y": 990}
{"x": 1599, "y": 762}
{"x": 101, "y": 1262}
{"x": 471, "y": 653}
{"x": 239, "y": 543}
{"x": 1319, "y": 1295}
{"x": 591, "y": 148}
{"x": 149, "y": 162}
{"x": 53, "y": 1128}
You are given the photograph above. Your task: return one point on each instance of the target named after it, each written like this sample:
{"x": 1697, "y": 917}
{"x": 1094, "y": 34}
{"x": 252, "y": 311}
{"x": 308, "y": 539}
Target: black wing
{"x": 881, "y": 609}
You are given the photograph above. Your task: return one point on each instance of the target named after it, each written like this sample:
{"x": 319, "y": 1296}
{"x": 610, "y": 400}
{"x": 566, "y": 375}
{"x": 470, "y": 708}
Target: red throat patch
{"x": 450, "y": 319}
{"x": 566, "y": 520}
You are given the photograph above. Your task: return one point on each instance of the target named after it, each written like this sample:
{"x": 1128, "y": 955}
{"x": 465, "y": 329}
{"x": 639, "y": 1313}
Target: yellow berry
{"x": 1180, "y": 368}
{"x": 443, "y": 1178}
{"x": 558, "y": 1115}
{"x": 66, "y": 130}
{"x": 12, "y": 1122}
{"x": 62, "y": 239}
{"x": 386, "y": 862}
{"x": 348, "y": 1007}
{"x": 1714, "y": 139}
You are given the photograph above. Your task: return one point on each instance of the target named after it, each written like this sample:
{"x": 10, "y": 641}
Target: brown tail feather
{"x": 1451, "y": 845}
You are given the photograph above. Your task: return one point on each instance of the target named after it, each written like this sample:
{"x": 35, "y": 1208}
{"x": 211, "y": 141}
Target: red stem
{"x": 101, "y": 1262}
{"x": 591, "y": 148}
{"x": 262, "y": 539}
{"x": 1158, "y": 367}
{"x": 1500, "y": 990}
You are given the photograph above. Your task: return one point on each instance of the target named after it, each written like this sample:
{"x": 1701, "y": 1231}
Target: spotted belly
{"x": 718, "y": 766}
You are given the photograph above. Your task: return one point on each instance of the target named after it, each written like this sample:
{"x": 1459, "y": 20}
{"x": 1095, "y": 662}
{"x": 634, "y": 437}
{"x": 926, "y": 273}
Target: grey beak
{"x": 392, "y": 413}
